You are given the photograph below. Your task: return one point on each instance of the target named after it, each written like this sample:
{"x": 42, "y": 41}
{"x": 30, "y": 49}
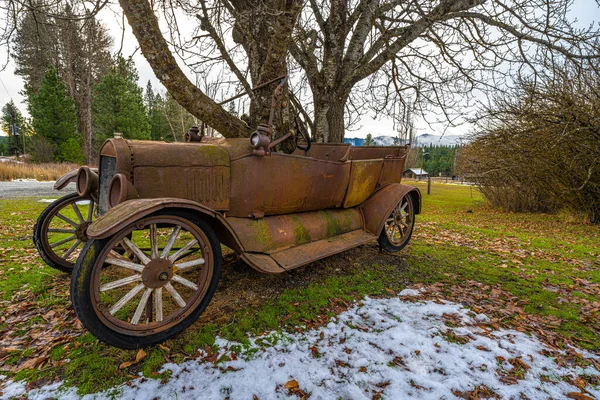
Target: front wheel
{"x": 159, "y": 287}
{"x": 59, "y": 233}
{"x": 398, "y": 228}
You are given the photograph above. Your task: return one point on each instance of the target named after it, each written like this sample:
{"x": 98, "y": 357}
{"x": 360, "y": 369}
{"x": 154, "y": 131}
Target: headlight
{"x": 120, "y": 190}
{"x": 87, "y": 181}
{"x": 258, "y": 140}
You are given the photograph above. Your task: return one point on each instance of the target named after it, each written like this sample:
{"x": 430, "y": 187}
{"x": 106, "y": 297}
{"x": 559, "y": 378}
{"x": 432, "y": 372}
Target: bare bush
{"x": 538, "y": 148}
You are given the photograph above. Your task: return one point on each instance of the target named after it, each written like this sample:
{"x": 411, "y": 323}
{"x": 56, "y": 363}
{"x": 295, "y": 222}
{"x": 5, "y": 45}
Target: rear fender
{"x": 69, "y": 177}
{"x": 130, "y": 211}
{"x": 379, "y": 206}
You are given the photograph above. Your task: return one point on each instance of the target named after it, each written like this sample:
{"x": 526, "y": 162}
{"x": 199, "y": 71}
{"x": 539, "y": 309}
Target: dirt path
{"x": 13, "y": 190}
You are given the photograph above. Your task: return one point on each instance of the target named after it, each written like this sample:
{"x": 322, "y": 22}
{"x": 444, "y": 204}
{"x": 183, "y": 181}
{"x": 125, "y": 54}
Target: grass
{"x": 549, "y": 263}
{"x": 41, "y": 172}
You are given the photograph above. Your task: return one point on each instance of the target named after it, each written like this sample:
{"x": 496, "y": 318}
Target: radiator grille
{"x": 108, "y": 167}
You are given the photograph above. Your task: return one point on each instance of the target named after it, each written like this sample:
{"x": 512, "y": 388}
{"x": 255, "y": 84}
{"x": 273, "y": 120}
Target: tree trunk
{"x": 86, "y": 129}
{"x": 329, "y": 118}
{"x": 267, "y": 40}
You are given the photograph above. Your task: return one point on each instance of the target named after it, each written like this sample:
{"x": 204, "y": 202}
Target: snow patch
{"x": 388, "y": 346}
{"x": 410, "y": 292}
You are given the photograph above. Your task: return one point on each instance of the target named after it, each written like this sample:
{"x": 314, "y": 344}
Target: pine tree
{"x": 155, "y": 105}
{"x": 118, "y": 104}
{"x": 53, "y": 113}
{"x": 369, "y": 141}
{"x": 78, "y": 49}
{"x": 6, "y": 125}
{"x": 6, "y": 121}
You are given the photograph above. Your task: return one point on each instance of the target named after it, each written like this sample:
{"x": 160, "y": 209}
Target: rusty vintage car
{"x": 151, "y": 221}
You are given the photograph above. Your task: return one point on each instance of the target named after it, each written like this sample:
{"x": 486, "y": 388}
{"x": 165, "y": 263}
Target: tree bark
{"x": 329, "y": 125}
{"x": 144, "y": 25}
{"x": 266, "y": 40}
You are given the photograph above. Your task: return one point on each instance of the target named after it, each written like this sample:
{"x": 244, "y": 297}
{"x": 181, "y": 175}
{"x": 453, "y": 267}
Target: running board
{"x": 294, "y": 257}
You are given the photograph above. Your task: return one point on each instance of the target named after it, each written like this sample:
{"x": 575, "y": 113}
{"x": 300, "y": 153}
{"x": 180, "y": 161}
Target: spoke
{"x": 120, "y": 282}
{"x": 67, "y": 220}
{"x": 124, "y": 263}
{"x": 76, "y": 209}
{"x": 71, "y": 249}
{"x": 153, "y": 242}
{"x": 59, "y": 230}
{"x": 393, "y": 231}
{"x": 405, "y": 225}
{"x": 182, "y": 250}
{"x": 158, "y": 306}
{"x": 53, "y": 245}
{"x": 130, "y": 295}
{"x": 169, "y": 245}
{"x": 180, "y": 302}
{"x": 140, "y": 308}
{"x": 185, "y": 282}
{"x": 389, "y": 230}
{"x": 191, "y": 263}
{"x": 90, "y": 211}
{"x": 403, "y": 207}
{"x": 135, "y": 250}
{"x": 390, "y": 220}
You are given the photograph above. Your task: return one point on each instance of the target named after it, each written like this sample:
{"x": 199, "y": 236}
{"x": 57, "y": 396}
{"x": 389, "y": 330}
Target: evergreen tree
{"x": 6, "y": 125}
{"x": 155, "y": 104}
{"x": 78, "y": 49}
{"x": 118, "y": 104}
{"x": 6, "y": 118}
{"x": 178, "y": 119}
{"x": 53, "y": 113}
{"x": 438, "y": 159}
{"x": 369, "y": 141}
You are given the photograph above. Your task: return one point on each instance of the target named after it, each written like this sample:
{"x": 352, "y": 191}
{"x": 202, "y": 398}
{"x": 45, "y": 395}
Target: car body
{"x": 159, "y": 212}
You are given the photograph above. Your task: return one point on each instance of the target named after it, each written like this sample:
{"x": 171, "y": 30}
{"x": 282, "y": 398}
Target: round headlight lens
{"x": 86, "y": 181}
{"x": 255, "y": 140}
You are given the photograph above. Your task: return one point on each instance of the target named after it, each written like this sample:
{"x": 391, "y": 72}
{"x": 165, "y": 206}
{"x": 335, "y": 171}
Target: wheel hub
{"x": 80, "y": 231}
{"x": 157, "y": 273}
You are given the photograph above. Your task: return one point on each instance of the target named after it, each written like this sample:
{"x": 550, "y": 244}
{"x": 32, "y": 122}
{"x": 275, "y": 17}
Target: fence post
{"x": 428, "y": 184}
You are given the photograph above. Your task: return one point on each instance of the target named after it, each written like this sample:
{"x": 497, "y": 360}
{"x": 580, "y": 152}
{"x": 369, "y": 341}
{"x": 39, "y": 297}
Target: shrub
{"x": 538, "y": 149}
{"x": 71, "y": 151}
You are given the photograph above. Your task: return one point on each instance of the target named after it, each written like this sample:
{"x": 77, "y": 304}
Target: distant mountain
{"x": 426, "y": 139}
{"x": 354, "y": 141}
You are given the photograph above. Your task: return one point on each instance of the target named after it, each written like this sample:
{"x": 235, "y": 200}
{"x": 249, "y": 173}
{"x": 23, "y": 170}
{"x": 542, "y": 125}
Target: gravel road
{"x": 11, "y": 190}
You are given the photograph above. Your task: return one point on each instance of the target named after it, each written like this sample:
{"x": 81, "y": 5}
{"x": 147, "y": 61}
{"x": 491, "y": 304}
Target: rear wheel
{"x": 398, "y": 227}
{"x": 159, "y": 288}
{"x": 59, "y": 233}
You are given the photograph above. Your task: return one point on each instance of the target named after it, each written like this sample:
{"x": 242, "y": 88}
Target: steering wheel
{"x": 302, "y": 134}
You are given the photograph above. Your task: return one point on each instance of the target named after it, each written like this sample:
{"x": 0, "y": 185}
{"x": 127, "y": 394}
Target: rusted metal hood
{"x": 152, "y": 154}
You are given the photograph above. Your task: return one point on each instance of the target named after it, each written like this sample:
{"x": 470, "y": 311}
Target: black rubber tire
{"x": 384, "y": 241}
{"x": 81, "y": 291}
{"x": 37, "y": 235}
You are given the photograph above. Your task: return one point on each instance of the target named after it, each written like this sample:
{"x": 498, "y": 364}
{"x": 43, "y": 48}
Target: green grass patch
{"x": 540, "y": 259}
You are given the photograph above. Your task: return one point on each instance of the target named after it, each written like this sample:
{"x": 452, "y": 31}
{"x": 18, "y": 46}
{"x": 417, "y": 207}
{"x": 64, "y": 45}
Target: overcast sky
{"x": 585, "y": 11}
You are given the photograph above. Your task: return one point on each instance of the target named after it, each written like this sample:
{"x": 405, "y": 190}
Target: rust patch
{"x": 363, "y": 181}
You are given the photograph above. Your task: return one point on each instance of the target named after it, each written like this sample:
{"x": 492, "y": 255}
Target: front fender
{"x": 379, "y": 206}
{"x": 130, "y": 211}
{"x": 69, "y": 177}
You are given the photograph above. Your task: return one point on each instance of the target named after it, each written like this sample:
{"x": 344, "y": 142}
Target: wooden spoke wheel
{"x": 159, "y": 286}
{"x": 398, "y": 227}
{"x": 59, "y": 233}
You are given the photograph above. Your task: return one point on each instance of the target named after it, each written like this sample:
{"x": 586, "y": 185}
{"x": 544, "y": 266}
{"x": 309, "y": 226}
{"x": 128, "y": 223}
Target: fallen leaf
{"x": 140, "y": 356}
{"x": 579, "y": 396}
{"x": 292, "y": 385}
